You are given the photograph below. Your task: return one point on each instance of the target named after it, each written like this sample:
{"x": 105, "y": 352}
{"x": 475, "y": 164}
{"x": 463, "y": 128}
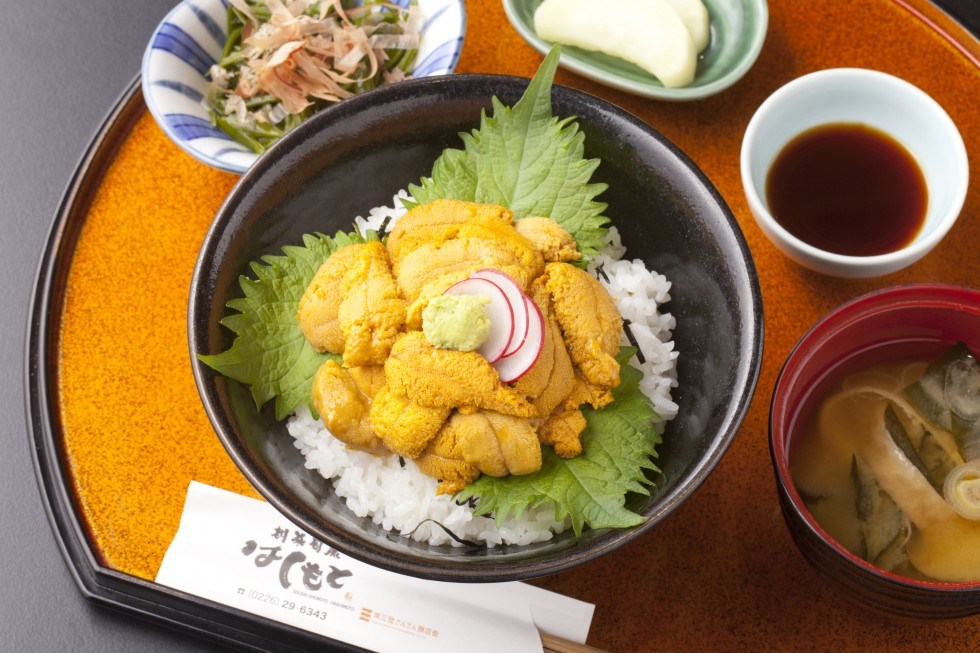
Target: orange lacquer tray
{"x": 720, "y": 573}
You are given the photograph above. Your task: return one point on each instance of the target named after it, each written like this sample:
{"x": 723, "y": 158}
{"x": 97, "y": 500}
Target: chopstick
{"x": 554, "y": 644}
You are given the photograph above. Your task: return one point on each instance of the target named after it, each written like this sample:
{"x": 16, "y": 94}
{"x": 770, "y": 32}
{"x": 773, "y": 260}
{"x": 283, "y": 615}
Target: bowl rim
{"x": 897, "y": 259}
{"x": 471, "y": 570}
{"x": 150, "y": 99}
{"x": 685, "y": 93}
{"x": 939, "y": 295}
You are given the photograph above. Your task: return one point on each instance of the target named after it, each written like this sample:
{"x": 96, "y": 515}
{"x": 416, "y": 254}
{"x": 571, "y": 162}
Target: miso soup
{"x": 888, "y": 463}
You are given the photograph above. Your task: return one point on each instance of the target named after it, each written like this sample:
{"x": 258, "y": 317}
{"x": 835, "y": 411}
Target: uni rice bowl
{"x": 396, "y": 495}
{"x": 546, "y": 422}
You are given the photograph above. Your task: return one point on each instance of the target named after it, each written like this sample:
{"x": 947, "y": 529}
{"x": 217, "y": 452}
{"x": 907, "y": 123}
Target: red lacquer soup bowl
{"x": 918, "y": 320}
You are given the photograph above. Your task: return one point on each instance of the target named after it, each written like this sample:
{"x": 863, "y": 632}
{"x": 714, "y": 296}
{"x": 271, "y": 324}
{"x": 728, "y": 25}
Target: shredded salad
{"x": 284, "y": 61}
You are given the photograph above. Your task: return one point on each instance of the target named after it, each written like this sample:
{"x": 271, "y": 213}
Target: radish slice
{"x": 499, "y": 310}
{"x": 515, "y": 295}
{"x": 510, "y": 368}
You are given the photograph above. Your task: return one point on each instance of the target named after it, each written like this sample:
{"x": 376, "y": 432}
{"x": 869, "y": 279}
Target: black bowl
{"x": 355, "y": 156}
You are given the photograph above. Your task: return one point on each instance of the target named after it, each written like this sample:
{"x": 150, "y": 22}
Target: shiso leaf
{"x": 527, "y": 160}
{"x": 270, "y": 354}
{"x": 618, "y": 445}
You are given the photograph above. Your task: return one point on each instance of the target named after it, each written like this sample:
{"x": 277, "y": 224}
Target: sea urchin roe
{"x": 456, "y": 322}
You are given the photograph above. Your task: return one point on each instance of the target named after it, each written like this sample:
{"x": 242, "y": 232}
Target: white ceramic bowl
{"x": 190, "y": 40}
{"x": 878, "y": 100}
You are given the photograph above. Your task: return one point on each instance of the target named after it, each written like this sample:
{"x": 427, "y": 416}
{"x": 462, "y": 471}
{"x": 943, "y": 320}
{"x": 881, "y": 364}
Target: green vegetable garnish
{"x": 527, "y": 160}
{"x": 880, "y": 519}
{"x": 902, "y": 440}
{"x": 334, "y": 50}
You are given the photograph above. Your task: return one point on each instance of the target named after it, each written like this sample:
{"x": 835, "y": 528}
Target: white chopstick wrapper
{"x": 242, "y": 553}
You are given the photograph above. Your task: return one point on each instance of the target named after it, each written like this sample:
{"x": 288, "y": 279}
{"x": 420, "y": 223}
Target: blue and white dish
{"x": 190, "y": 40}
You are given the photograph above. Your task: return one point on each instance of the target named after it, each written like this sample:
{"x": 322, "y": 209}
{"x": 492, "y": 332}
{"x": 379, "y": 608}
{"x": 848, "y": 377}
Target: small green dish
{"x": 738, "y": 29}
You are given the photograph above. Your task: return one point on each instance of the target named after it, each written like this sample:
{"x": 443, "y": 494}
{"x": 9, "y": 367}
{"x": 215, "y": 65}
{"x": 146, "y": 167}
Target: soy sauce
{"x": 849, "y": 189}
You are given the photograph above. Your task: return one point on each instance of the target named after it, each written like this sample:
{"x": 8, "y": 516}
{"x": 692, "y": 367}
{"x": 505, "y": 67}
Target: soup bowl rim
{"x": 782, "y": 415}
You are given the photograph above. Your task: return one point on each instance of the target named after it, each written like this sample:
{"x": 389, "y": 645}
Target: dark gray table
{"x": 62, "y": 65}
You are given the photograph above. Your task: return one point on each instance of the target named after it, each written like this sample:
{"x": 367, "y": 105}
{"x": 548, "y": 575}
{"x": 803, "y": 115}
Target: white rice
{"x": 400, "y": 498}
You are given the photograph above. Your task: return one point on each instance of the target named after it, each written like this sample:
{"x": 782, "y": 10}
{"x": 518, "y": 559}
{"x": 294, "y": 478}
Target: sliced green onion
{"x": 260, "y": 101}
{"x": 962, "y": 490}
{"x": 233, "y": 41}
{"x": 240, "y": 135}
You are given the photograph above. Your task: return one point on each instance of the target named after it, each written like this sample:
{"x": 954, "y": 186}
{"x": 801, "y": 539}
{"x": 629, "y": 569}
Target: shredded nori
{"x": 601, "y": 272}
{"x": 632, "y": 339}
{"x": 471, "y": 502}
{"x": 456, "y": 538}
{"x": 383, "y": 229}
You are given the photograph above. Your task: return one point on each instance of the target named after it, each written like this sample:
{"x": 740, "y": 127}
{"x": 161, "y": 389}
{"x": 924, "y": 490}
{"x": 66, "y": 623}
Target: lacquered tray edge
{"x": 98, "y": 583}
{"x": 123, "y": 592}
